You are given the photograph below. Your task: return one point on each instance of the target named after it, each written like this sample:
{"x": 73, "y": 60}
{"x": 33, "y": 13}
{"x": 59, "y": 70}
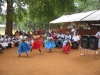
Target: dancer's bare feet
{"x": 27, "y": 54}
{"x": 40, "y": 51}
{"x": 30, "y": 50}
{"x": 19, "y": 55}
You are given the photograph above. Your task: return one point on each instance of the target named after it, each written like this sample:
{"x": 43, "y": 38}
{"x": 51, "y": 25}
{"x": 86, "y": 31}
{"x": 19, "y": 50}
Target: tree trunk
{"x": 9, "y": 22}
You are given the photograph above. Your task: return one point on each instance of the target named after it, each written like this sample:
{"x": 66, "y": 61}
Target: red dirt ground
{"x": 54, "y": 63}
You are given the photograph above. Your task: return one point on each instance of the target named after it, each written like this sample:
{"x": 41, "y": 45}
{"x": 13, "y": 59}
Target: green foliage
{"x": 40, "y": 12}
{"x": 88, "y": 5}
{"x": 47, "y": 10}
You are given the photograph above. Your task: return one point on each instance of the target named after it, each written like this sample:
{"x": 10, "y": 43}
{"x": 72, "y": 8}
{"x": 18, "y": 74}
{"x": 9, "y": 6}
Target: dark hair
{"x": 49, "y": 34}
{"x": 68, "y": 43}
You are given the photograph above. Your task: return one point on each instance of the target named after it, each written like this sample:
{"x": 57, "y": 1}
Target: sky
{"x": 4, "y": 8}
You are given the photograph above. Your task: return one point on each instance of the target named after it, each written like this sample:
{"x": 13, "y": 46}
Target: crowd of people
{"x": 35, "y": 40}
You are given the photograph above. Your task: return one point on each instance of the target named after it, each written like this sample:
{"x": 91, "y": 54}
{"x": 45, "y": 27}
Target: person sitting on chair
{"x": 60, "y": 38}
{"x": 68, "y": 37}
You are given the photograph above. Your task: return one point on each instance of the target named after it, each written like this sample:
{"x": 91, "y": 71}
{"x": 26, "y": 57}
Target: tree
{"x": 36, "y": 10}
{"x": 88, "y": 5}
{"x": 9, "y": 20}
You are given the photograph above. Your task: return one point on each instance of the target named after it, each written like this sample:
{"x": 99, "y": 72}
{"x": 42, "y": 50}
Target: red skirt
{"x": 66, "y": 49}
{"x": 37, "y": 44}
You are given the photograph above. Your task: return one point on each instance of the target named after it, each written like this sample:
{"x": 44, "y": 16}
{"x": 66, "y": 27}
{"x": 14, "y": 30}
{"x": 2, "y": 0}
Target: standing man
{"x": 98, "y": 36}
{"x": 73, "y": 30}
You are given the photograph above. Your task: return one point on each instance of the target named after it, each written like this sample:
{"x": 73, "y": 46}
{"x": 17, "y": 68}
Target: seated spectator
{"x": 1, "y": 48}
{"x": 68, "y": 38}
{"x": 60, "y": 38}
{"x": 7, "y": 40}
{"x": 75, "y": 41}
{"x": 4, "y": 44}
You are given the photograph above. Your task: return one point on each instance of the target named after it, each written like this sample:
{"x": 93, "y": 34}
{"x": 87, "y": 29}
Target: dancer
{"x": 50, "y": 43}
{"x": 23, "y": 47}
{"x": 67, "y": 47}
{"x": 37, "y": 44}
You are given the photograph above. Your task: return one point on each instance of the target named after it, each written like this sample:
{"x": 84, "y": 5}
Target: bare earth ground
{"x": 55, "y": 63}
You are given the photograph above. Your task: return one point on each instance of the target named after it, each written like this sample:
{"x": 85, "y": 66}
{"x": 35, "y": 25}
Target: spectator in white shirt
{"x": 4, "y": 44}
{"x": 2, "y": 38}
{"x": 73, "y": 30}
{"x": 75, "y": 41}
{"x": 68, "y": 38}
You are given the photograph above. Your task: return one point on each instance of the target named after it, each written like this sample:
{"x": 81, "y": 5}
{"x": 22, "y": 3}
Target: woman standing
{"x": 23, "y": 47}
{"x": 50, "y": 43}
{"x": 37, "y": 43}
{"x": 98, "y": 36}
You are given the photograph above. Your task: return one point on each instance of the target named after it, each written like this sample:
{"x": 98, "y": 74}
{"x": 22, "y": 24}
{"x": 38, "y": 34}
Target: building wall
{"x": 80, "y": 31}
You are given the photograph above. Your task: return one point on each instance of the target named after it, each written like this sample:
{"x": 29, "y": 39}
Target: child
{"x": 50, "y": 43}
{"x": 23, "y": 47}
{"x": 66, "y": 48}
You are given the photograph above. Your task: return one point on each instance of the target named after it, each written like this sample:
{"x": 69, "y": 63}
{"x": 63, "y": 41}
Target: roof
{"x": 60, "y": 19}
{"x": 93, "y": 17}
{"x": 75, "y": 17}
{"x": 78, "y": 16}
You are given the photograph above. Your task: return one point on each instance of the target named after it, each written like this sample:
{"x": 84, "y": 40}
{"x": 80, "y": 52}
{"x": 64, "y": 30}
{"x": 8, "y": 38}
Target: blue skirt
{"x": 50, "y": 44}
{"x": 24, "y": 47}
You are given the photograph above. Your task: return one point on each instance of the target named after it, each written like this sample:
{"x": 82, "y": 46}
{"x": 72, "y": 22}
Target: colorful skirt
{"x": 50, "y": 44}
{"x": 37, "y": 44}
{"x": 24, "y": 48}
{"x": 66, "y": 49}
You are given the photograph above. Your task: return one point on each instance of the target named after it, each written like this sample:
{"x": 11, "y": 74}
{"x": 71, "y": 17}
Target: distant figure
{"x": 98, "y": 36}
{"x": 73, "y": 30}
